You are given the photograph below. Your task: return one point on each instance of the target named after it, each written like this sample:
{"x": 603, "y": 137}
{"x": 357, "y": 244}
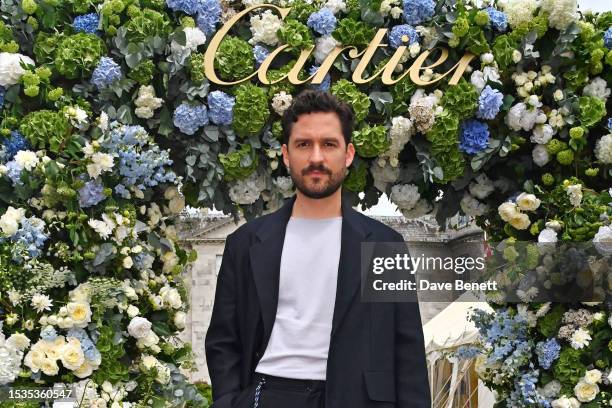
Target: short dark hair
{"x": 313, "y": 100}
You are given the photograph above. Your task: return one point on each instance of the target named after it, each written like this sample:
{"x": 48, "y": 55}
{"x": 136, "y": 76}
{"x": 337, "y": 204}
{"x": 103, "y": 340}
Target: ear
{"x": 285, "y": 151}
{"x": 350, "y": 154}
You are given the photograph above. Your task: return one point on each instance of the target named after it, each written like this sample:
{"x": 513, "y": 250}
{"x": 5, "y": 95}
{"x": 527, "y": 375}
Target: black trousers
{"x": 268, "y": 391}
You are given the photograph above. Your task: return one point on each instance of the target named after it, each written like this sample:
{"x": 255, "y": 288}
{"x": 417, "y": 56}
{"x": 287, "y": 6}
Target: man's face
{"x": 317, "y": 155}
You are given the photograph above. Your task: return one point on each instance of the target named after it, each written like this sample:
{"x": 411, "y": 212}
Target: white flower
{"x": 285, "y": 185}
{"x": 472, "y": 206}
{"x": 132, "y": 311}
{"x": 516, "y": 56}
{"x": 519, "y": 11}
{"x": 101, "y": 162}
{"x": 481, "y": 187}
{"x": 592, "y": 376}
{"x": 281, "y": 101}
{"x": 421, "y": 208}
{"x": 561, "y": 13}
{"x": 194, "y": 37}
{"x": 527, "y": 202}
{"x": 139, "y": 327}
{"x": 400, "y": 133}
{"x": 147, "y": 102}
{"x": 80, "y": 313}
{"x": 405, "y": 196}
{"x": 558, "y": 95}
{"x": 519, "y": 221}
{"x": 542, "y": 134}
{"x": 335, "y": 6}
{"x": 41, "y": 302}
{"x": 487, "y": 58}
{"x": 574, "y": 191}
{"x": 565, "y": 402}
{"x": 323, "y": 46}
{"x": 9, "y": 222}
{"x": 421, "y": 110}
{"x": 26, "y": 159}
{"x": 72, "y": 354}
{"x": 264, "y": 27}
{"x": 77, "y": 117}
{"x": 127, "y": 262}
{"x": 148, "y": 362}
{"x": 507, "y": 210}
{"x": 248, "y": 190}
{"x": 603, "y": 149}
{"x": 580, "y": 338}
{"x": 103, "y": 121}
{"x": 10, "y": 69}
{"x": 104, "y": 228}
{"x": 597, "y": 88}
{"x": 540, "y": 155}
{"x": 519, "y": 117}
{"x": 547, "y": 235}
{"x": 179, "y": 319}
{"x": 586, "y": 392}
{"x": 383, "y": 175}
{"x": 170, "y": 297}
{"x": 19, "y": 341}
{"x": 603, "y": 241}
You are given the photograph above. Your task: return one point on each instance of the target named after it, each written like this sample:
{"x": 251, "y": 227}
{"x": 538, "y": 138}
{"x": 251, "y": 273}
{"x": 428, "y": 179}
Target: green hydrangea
{"x": 277, "y": 129}
{"x": 444, "y": 138}
{"x": 591, "y": 110}
{"x": 250, "y": 111}
{"x": 353, "y": 32}
{"x": 554, "y": 146}
{"x": 565, "y": 157}
{"x": 143, "y": 72}
{"x": 78, "y": 55}
{"x": 301, "y": 10}
{"x": 568, "y": 368}
{"x": 482, "y": 18}
{"x": 284, "y": 85}
{"x": 370, "y": 141}
{"x": 196, "y": 67}
{"x": 532, "y": 255}
{"x": 80, "y": 6}
{"x": 45, "y": 128}
{"x": 54, "y": 94}
{"x": 145, "y": 24}
{"x": 296, "y": 34}
{"x": 401, "y": 93}
{"x": 461, "y": 99}
{"x": 239, "y": 164}
{"x": 461, "y": 27}
{"x": 576, "y": 78}
{"x": 348, "y": 92}
{"x": 234, "y": 59}
{"x": 476, "y": 42}
{"x": 44, "y": 47}
{"x": 356, "y": 179}
{"x": 548, "y": 179}
{"x": 604, "y": 20}
{"x": 6, "y": 35}
{"x": 503, "y": 47}
{"x": 29, "y": 6}
{"x": 353, "y": 9}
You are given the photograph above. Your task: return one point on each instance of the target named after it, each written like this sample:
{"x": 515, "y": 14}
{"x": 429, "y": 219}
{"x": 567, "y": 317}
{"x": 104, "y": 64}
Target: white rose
{"x": 132, "y": 311}
{"x": 127, "y": 262}
{"x": 507, "y": 210}
{"x": 547, "y": 235}
{"x": 527, "y": 202}
{"x": 72, "y": 355}
{"x": 516, "y": 56}
{"x": 179, "y": 319}
{"x": 520, "y": 221}
{"x": 586, "y": 392}
{"x": 149, "y": 362}
{"x": 9, "y": 222}
{"x": 592, "y": 376}
{"x": 540, "y": 155}
{"x": 139, "y": 327}
{"x": 603, "y": 240}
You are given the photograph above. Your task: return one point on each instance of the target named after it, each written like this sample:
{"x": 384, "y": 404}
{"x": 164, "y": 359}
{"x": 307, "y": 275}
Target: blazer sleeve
{"x": 412, "y": 382}
{"x": 222, "y": 343}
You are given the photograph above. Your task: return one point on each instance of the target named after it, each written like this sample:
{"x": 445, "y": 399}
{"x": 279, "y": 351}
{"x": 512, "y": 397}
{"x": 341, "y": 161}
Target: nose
{"x": 317, "y": 154}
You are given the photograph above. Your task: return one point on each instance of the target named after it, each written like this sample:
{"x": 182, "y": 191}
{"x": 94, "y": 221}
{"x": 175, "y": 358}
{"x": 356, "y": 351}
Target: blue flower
{"x": 13, "y": 171}
{"x": 91, "y": 194}
{"x": 31, "y": 235}
{"x": 467, "y": 352}
{"x": 395, "y": 36}
{"x": 547, "y": 352}
{"x": 498, "y": 19}
{"x": 474, "y": 136}
{"x": 322, "y": 21}
{"x": 188, "y": 118}
{"x": 14, "y": 144}
{"x": 325, "y": 84}
{"x": 107, "y": 72}
{"x": 209, "y": 16}
{"x": 417, "y": 11}
{"x": 86, "y": 23}
{"x": 260, "y": 53}
{"x": 2, "y": 93}
{"x": 48, "y": 333}
{"x": 608, "y": 38}
{"x": 221, "y": 108}
{"x": 610, "y": 124}
{"x": 186, "y": 6}
{"x": 489, "y": 102}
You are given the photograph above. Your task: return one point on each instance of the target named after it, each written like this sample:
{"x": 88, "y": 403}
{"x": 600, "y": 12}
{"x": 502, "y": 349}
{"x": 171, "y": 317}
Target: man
{"x": 288, "y": 327}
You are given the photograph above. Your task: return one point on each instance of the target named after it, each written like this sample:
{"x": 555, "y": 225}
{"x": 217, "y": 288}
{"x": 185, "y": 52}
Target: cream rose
{"x": 72, "y": 355}
{"x": 527, "y": 202}
{"x": 139, "y": 327}
{"x": 586, "y": 392}
{"x": 80, "y": 313}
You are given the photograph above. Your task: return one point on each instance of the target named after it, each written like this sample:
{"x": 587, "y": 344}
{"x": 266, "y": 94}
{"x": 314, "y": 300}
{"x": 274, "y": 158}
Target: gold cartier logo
{"x": 316, "y": 78}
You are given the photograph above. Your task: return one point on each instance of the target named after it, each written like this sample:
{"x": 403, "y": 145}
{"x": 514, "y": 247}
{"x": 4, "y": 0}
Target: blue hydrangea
{"x": 489, "y": 102}
{"x": 221, "y": 108}
{"x": 417, "y": 11}
{"x": 467, "y": 352}
{"x": 610, "y": 124}
{"x": 189, "y": 118}
{"x": 143, "y": 260}
{"x": 322, "y": 21}
{"x": 325, "y": 84}
{"x": 91, "y": 194}
{"x": 13, "y": 171}
{"x": 608, "y": 38}
{"x": 186, "y": 6}
{"x": 396, "y": 33}
{"x": 13, "y": 144}
{"x": 86, "y": 23}
{"x": 31, "y": 235}
{"x": 474, "y": 136}
{"x": 2, "y": 93}
{"x": 87, "y": 345}
{"x": 146, "y": 168}
{"x": 48, "y": 333}
{"x": 547, "y": 352}
{"x": 209, "y": 16}
{"x": 260, "y": 53}
{"x": 498, "y": 19}
{"x": 107, "y": 72}
{"x": 526, "y": 393}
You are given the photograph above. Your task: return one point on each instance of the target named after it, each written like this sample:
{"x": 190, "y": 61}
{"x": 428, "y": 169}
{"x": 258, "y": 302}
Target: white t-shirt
{"x": 300, "y": 337}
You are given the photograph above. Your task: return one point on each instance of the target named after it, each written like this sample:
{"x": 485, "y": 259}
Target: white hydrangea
{"x": 248, "y": 190}
{"x": 520, "y": 117}
{"x": 540, "y": 155}
{"x": 26, "y": 159}
{"x": 400, "y": 133}
{"x": 472, "y": 207}
{"x": 421, "y": 208}
{"x": 519, "y": 11}
{"x": 603, "y": 241}
{"x": 547, "y": 235}
{"x": 9, "y": 222}
{"x": 422, "y": 110}
{"x": 542, "y": 134}
{"x": 323, "y": 46}
{"x": 481, "y": 187}
{"x": 383, "y": 175}
{"x": 10, "y": 363}
{"x": 194, "y": 37}
{"x": 551, "y": 389}
{"x": 249, "y": 3}
{"x": 10, "y": 69}
{"x": 603, "y": 149}
{"x": 405, "y": 196}
{"x": 574, "y": 191}
{"x": 281, "y": 102}
{"x": 264, "y": 27}
{"x": 146, "y": 102}
{"x": 336, "y": 6}
{"x": 597, "y": 87}
{"x": 390, "y": 7}
{"x": 561, "y": 13}
{"x": 285, "y": 185}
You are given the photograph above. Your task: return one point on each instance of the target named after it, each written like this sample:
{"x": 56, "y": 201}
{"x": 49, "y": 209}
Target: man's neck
{"x": 328, "y": 207}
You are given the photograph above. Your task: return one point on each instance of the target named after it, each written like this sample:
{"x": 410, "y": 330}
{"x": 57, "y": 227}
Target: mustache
{"x": 321, "y": 169}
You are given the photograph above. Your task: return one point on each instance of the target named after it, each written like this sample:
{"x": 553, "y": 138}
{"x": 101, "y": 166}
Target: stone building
{"x": 206, "y": 234}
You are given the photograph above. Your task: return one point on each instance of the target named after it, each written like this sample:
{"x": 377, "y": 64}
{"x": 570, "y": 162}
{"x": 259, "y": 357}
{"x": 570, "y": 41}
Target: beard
{"x": 323, "y": 187}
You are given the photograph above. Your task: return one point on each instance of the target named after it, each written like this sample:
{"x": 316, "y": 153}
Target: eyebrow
{"x": 307, "y": 139}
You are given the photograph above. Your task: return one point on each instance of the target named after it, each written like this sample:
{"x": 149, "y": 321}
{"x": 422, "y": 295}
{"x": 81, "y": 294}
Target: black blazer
{"x": 376, "y": 355}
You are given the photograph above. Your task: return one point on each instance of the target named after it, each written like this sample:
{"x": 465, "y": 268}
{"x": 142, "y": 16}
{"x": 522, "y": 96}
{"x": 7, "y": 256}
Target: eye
{"x": 330, "y": 144}
{"x": 301, "y": 144}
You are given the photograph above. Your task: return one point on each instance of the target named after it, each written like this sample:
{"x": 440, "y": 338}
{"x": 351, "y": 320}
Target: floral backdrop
{"x": 109, "y": 127}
